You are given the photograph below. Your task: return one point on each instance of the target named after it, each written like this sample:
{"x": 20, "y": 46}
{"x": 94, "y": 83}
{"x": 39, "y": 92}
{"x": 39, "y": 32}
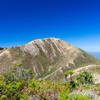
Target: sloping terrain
{"x": 48, "y": 58}
{"x": 94, "y": 69}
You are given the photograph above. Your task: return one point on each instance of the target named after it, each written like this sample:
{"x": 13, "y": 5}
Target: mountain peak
{"x": 45, "y": 45}
{"x": 46, "y": 56}
{"x": 45, "y": 39}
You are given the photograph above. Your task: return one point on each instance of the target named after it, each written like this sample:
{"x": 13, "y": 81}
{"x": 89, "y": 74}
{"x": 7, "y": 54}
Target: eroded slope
{"x": 49, "y": 58}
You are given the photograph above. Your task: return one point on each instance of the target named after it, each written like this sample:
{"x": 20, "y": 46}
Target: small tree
{"x": 70, "y": 72}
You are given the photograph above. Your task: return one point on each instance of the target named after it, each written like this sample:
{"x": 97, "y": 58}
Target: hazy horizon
{"x": 96, "y": 54}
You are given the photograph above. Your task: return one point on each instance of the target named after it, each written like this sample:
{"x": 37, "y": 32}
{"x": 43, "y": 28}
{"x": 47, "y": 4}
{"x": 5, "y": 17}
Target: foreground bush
{"x": 19, "y": 84}
{"x": 85, "y": 78}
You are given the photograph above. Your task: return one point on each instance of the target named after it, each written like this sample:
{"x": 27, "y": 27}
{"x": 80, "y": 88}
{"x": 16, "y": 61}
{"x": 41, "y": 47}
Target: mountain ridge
{"x": 45, "y": 56}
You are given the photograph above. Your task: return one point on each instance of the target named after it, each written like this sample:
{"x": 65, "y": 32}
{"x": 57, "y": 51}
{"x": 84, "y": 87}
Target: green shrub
{"x": 70, "y": 72}
{"x": 18, "y": 73}
{"x": 66, "y": 96}
{"x": 13, "y": 87}
{"x": 33, "y": 86}
{"x": 85, "y": 78}
{"x": 72, "y": 84}
{"x": 79, "y": 97}
{"x": 3, "y": 97}
{"x": 9, "y": 77}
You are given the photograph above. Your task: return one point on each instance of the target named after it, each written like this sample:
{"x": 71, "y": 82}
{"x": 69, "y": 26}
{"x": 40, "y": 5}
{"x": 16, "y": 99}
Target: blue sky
{"x": 75, "y": 21}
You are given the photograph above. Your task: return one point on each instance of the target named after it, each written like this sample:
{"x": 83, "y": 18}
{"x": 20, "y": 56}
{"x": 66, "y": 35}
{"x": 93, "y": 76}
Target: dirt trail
{"x": 85, "y": 67}
{"x": 95, "y": 75}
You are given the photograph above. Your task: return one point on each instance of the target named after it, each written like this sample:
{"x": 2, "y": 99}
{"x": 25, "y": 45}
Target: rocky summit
{"x": 49, "y": 58}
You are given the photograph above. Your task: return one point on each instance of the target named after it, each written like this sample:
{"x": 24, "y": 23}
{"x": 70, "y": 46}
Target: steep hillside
{"x": 48, "y": 58}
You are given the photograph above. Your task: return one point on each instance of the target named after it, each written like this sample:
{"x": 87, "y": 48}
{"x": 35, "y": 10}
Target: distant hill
{"x": 96, "y": 54}
{"x": 48, "y": 58}
{"x": 1, "y": 48}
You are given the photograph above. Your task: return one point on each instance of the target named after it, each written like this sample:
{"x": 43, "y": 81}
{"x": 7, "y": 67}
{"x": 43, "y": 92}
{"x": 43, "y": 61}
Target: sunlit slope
{"x": 47, "y": 57}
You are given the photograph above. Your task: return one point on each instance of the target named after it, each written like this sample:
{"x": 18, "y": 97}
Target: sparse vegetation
{"x": 14, "y": 86}
{"x": 25, "y": 80}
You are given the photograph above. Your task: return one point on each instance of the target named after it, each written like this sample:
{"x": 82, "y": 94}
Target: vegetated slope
{"x": 49, "y": 58}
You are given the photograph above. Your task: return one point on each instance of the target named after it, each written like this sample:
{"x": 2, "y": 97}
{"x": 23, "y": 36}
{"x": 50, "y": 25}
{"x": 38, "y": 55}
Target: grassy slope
{"x": 42, "y": 63}
{"x": 82, "y": 60}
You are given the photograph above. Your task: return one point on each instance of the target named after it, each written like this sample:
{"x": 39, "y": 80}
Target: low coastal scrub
{"x": 19, "y": 84}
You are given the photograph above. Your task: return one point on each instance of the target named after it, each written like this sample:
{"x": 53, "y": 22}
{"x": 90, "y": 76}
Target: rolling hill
{"x": 49, "y": 58}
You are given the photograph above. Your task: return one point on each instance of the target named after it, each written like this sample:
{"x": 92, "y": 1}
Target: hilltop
{"x": 49, "y": 58}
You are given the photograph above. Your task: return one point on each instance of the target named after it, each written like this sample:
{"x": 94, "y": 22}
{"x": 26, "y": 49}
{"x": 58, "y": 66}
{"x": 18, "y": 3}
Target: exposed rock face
{"x": 51, "y": 48}
{"x": 49, "y": 58}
